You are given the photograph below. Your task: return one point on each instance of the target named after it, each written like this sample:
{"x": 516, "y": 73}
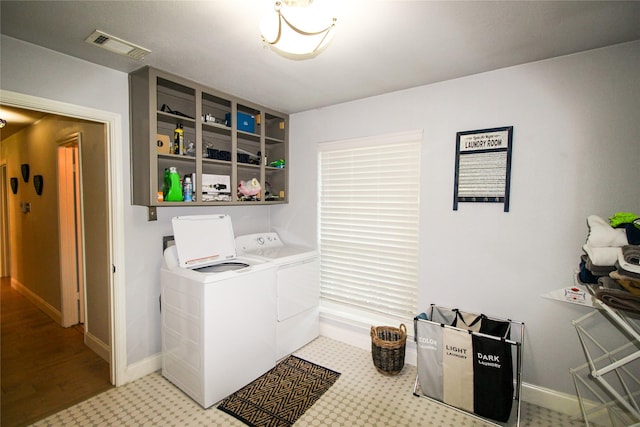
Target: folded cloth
{"x": 633, "y": 232}
{"x": 629, "y": 288}
{"x": 602, "y": 235}
{"x": 631, "y": 254}
{"x": 629, "y": 258}
{"x": 615, "y": 296}
{"x": 620, "y": 218}
{"x": 626, "y": 273}
{"x": 602, "y": 256}
{"x": 618, "y": 275}
{"x": 597, "y": 270}
{"x": 609, "y": 284}
{"x": 631, "y": 285}
{"x": 585, "y": 275}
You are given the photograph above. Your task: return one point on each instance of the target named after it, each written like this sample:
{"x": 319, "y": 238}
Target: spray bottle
{"x": 178, "y": 140}
{"x": 187, "y": 191}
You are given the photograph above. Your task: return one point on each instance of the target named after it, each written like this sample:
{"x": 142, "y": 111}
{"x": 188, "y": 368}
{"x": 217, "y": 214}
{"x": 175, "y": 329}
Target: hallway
{"x": 44, "y": 367}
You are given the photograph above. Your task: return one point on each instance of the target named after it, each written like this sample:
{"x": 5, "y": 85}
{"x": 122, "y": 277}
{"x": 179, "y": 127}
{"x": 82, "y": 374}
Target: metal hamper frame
{"x": 515, "y": 339}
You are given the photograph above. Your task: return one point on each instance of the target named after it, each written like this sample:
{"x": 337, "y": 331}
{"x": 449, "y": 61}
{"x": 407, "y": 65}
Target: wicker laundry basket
{"x": 387, "y": 348}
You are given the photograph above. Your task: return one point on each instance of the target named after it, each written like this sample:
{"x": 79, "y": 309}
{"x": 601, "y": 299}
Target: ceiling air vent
{"x": 116, "y": 45}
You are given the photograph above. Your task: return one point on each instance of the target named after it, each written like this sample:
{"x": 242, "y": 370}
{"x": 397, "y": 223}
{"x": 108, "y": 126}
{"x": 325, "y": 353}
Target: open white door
{"x": 70, "y": 222}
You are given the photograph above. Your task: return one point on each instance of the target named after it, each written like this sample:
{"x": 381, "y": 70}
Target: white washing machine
{"x": 218, "y": 311}
{"x": 297, "y": 288}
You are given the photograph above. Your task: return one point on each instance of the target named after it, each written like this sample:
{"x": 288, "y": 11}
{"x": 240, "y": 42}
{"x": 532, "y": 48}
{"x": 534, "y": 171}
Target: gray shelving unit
{"x": 223, "y": 146}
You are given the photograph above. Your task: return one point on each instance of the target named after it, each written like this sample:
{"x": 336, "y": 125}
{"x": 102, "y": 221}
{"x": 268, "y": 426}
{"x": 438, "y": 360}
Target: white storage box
{"x": 216, "y": 184}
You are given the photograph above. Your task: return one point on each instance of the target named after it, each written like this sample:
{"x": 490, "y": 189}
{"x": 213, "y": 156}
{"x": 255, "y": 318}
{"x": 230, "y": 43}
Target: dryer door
{"x": 298, "y": 287}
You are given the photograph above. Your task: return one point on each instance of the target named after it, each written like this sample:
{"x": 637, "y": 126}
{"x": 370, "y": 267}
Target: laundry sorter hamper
{"x": 466, "y": 361}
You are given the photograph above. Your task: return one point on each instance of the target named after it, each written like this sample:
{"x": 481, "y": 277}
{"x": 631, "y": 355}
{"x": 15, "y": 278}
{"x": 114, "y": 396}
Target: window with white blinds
{"x": 369, "y": 192}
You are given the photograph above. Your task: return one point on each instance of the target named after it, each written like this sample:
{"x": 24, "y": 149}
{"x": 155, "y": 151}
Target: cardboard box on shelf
{"x": 163, "y": 143}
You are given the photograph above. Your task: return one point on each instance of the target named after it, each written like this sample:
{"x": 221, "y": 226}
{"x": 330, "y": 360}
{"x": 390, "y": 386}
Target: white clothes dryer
{"x": 218, "y": 311}
{"x": 297, "y": 287}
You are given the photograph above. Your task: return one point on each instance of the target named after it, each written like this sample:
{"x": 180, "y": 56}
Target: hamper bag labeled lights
{"x": 388, "y": 347}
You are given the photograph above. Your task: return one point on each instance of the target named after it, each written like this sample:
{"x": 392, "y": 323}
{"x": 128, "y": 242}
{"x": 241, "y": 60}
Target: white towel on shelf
{"x": 634, "y": 268}
{"x": 602, "y": 234}
{"x": 602, "y": 257}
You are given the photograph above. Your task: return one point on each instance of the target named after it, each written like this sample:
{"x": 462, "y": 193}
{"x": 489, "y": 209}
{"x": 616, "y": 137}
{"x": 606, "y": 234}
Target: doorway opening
{"x": 113, "y": 214}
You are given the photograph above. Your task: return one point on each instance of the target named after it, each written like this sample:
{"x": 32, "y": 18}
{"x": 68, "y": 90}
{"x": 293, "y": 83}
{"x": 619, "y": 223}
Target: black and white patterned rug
{"x": 280, "y": 396}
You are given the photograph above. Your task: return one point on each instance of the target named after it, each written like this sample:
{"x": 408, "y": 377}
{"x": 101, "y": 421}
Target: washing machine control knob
{"x": 260, "y": 240}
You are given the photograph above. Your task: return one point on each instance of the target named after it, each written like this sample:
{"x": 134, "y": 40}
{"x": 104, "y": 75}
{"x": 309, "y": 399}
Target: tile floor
{"x": 361, "y": 397}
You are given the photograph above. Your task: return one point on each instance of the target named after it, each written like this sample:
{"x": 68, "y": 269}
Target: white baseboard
{"x": 49, "y": 310}
{"x": 98, "y": 346}
{"x": 359, "y": 336}
{"x": 142, "y": 368}
{"x": 551, "y": 399}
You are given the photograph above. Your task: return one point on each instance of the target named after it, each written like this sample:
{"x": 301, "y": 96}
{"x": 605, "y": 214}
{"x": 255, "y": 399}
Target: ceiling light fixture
{"x": 296, "y": 29}
{"x": 3, "y": 123}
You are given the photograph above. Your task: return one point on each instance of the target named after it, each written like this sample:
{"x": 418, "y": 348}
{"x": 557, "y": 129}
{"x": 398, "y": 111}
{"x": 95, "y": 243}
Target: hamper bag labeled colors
{"x": 444, "y": 316}
{"x": 429, "y": 342}
{"x": 388, "y": 348}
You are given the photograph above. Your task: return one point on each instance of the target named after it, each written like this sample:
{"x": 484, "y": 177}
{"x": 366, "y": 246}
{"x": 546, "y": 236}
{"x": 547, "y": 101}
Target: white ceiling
{"x": 17, "y": 119}
{"x": 379, "y": 47}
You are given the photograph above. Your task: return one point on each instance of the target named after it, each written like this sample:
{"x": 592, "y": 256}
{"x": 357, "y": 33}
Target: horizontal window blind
{"x": 369, "y": 223}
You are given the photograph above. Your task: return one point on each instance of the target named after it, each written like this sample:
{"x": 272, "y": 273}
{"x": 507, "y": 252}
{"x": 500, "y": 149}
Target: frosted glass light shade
{"x": 297, "y": 32}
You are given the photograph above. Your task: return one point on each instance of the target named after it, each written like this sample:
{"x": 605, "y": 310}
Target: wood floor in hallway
{"x": 44, "y": 367}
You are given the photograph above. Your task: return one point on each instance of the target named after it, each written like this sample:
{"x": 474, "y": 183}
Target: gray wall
{"x": 36, "y": 71}
{"x": 575, "y": 153}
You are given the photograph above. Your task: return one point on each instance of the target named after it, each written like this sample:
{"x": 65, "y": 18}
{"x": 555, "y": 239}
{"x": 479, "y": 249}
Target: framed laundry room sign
{"x": 483, "y": 166}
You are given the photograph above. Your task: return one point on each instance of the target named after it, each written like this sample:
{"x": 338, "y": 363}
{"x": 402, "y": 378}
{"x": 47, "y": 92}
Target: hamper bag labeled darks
{"x": 492, "y": 378}
{"x": 388, "y": 348}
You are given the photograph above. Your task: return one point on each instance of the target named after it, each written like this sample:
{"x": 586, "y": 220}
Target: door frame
{"x": 4, "y": 231}
{"x": 117, "y": 301}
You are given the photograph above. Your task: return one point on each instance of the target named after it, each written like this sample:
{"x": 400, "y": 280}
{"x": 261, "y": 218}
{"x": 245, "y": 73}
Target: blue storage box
{"x": 246, "y": 122}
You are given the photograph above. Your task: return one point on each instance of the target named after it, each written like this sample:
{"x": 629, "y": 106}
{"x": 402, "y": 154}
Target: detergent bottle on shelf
{"x": 166, "y": 184}
{"x": 175, "y": 189}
